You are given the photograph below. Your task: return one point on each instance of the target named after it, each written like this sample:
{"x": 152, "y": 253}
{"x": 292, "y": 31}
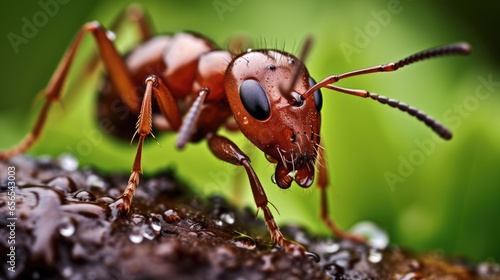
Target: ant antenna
{"x": 287, "y": 90}
{"x": 452, "y": 49}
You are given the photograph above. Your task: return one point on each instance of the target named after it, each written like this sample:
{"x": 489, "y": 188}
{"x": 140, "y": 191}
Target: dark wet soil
{"x": 64, "y": 229}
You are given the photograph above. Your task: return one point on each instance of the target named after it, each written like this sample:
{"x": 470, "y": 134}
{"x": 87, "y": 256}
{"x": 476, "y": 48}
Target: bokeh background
{"x": 447, "y": 194}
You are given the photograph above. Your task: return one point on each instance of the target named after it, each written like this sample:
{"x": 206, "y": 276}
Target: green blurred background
{"x": 447, "y": 199}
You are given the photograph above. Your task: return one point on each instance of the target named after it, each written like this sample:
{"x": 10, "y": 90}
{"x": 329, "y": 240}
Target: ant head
{"x": 264, "y": 89}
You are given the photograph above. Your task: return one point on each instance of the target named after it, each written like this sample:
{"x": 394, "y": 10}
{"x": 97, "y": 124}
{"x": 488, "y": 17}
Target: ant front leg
{"x": 227, "y": 151}
{"x": 322, "y": 184}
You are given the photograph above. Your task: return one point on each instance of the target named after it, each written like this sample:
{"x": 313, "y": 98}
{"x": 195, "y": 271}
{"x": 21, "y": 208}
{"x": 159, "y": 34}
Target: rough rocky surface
{"x": 65, "y": 229}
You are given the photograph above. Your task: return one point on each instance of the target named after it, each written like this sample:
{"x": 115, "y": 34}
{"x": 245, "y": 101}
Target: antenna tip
{"x": 463, "y": 47}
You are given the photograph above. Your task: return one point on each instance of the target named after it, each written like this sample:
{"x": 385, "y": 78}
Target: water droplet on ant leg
{"x": 245, "y": 120}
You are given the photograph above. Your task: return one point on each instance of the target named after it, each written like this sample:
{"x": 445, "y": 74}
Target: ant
{"x": 184, "y": 83}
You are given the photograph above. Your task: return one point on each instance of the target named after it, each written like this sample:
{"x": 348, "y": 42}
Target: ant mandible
{"x": 197, "y": 88}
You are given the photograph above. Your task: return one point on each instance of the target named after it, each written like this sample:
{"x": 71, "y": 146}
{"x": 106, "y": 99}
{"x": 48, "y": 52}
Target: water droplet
{"x": 137, "y": 219}
{"x": 84, "y": 196}
{"x": 410, "y": 276}
{"x": 342, "y": 259}
{"x": 245, "y": 120}
{"x": 63, "y": 183}
{"x": 105, "y": 200}
{"x": 111, "y": 35}
{"x": 66, "y": 227}
{"x": 375, "y": 256}
{"x": 376, "y": 236}
{"x": 67, "y": 272}
{"x": 487, "y": 269}
{"x": 245, "y": 242}
{"x": 148, "y": 232}
{"x": 218, "y": 222}
{"x": 198, "y": 225}
{"x": 68, "y": 162}
{"x": 228, "y": 218}
{"x": 171, "y": 216}
{"x": 313, "y": 256}
{"x": 95, "y": 181}
{"x": 273, "y": 178}
{"x": 330, "y": 247}
{"x": 136, "y": 235}
{"x": 155, "y": 224}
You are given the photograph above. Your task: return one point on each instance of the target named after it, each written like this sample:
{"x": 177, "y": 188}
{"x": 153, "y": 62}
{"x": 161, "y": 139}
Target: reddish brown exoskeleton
{"x": 184, "y": 83}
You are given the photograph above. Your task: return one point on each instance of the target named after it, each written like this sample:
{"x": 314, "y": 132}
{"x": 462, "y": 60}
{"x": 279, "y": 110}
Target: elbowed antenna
{"x": 452, "y": 49}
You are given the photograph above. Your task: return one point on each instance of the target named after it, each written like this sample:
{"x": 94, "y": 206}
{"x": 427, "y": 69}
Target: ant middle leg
{"x": 167, "y": 105}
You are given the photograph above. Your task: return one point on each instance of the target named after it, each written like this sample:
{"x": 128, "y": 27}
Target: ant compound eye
{"x": 254, "y": 99}
{"x": 318, "y": 97}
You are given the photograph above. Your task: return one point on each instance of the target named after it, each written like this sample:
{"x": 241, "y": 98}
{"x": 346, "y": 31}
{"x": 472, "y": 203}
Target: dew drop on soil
{"x": 105, "y": 199}
{"x": 409, "y": 276}
{"x": 155, "y": 224}
{"x": 228, "y": 218}
{"x": 67, "y": 272}
{"x": 375, "y": 255}
{"x": 136, "y": 235}
{"x": 330, "y": 247}
{"x": 84, "y": 196}
{"x": 313, "y": 256}
{"x": 137, "y": 219}
{"x": 245, "y": 242}
{"x": 148, "y": 232}
{"x": 68, "y": 162}
{"x": 95, "y": 181}
{"x": 342, "y": 259}
{"x": 487, "y": 269}
{"x": 66, "y": 227}
{"x": 171, "y": 216}
{"x": 62, "y": 183}
{"x": 376, "y": 237}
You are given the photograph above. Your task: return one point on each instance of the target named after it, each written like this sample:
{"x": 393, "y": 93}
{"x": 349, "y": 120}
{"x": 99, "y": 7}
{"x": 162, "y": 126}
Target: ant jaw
{"x": 302, "y": 172}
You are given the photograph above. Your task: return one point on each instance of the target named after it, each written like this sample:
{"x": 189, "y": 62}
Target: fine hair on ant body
{"x": 184, "y": 83}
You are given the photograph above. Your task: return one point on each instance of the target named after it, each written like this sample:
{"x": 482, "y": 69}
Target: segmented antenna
{"x": 452, "y": 49}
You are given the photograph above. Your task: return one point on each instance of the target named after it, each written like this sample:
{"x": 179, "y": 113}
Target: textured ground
{"x": 66, "y": 230}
